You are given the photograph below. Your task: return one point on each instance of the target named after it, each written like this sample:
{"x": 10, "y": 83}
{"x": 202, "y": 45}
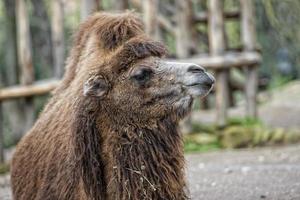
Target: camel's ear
{"x": 95, "y": 86}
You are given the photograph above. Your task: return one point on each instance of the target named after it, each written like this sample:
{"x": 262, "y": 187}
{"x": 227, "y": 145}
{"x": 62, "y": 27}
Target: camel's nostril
{"x": 195, "y": 69}
{"x": 212, "y": 79}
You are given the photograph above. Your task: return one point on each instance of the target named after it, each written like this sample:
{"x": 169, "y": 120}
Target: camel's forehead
{"x": 136, "y": 50}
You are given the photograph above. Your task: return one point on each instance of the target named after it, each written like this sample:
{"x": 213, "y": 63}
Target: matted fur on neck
{"x": 140, "y": 163}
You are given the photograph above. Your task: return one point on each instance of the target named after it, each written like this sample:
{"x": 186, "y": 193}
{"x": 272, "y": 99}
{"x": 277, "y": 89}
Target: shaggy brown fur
{"x": 84, "y": 147}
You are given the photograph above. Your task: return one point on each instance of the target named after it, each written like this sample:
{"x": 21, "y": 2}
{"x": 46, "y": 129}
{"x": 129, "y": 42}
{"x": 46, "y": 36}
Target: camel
{"x": 110, "y": 130}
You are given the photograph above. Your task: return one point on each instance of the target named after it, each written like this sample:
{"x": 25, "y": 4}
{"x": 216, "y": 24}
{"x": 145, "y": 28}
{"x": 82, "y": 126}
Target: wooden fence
{"x": 219, "y": 59}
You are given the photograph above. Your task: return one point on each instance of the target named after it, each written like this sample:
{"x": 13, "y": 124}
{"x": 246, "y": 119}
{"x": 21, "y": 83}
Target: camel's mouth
{"x": 194, "y": 79}
{"x": 199, "y": 90}
{"x": 201, "y": 85}
{"x": 205, "y": 85}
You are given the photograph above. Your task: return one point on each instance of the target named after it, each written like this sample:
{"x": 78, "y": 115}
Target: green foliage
{"x": 202, "y": 128}
{"x": 237, "y": 136}
{"x": 4, "y": 168}
{"x": 202, "y": 139}
{"x": 277, "y": 28}
{"x": 232, "y": 29}
{"x": 39, "y": 103}
{"x": 170, "y": 41}
{"x": 239, "y": 133}
{"x": 203, "y": 43}
{"x": 247, "y": 121}
{"x": 190, "y": 146}
{"x": 279, "y": 81}
{"x": 231, "y": 5}
{"x": 107, "y": 4}
{"x": 250, "y": 132}
{"x": 2, "y": 39}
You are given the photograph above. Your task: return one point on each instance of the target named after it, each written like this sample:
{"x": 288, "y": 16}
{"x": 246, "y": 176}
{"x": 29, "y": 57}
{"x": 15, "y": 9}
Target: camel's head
{"x": 140, "y": 84}
{"x": 129, "y": 75}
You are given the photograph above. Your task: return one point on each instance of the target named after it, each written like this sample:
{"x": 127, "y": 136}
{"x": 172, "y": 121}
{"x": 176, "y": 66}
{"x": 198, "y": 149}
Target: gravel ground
{"x": 5, "y": 193}
{"x": 263, "y": 173}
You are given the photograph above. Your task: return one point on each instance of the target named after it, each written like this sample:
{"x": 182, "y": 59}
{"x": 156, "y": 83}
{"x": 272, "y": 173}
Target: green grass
{"x": 190, "y": 147}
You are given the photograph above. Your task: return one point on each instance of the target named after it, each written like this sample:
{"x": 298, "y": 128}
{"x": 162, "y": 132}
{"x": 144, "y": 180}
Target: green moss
{"x": 4, "y": 168}
{"x": 199, "y": 128}
{"x": 278, "y": 136}
{"x": 257, "y": 136}
{"x": 291, "y": 137}
{"x": 237, "y": 137}
{"x": 238, "y": 133}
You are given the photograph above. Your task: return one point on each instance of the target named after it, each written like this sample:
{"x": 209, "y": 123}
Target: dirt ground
{"x": 271, "y": 173}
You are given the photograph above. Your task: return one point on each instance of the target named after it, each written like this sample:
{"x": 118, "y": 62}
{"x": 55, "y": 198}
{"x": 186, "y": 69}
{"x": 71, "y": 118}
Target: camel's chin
{"x": 183, "y": 106}
{"x": 199, "y": 92}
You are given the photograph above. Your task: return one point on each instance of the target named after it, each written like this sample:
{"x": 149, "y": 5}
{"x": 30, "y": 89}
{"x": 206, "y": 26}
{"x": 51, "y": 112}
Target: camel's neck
{"x": 131, "y": 162}
{"x": 144, "y": 163}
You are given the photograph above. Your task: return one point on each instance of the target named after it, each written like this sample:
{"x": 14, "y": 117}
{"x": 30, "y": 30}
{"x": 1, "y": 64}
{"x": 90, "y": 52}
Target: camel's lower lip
{"x": 199, "y": 90}
{"x": 203, "y": 85}
{"x": 200, "y": 87}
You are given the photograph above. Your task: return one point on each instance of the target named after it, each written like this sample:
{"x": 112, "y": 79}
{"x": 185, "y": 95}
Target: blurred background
{"x": 252, "y": 48}
{"x": 241, "y": 142}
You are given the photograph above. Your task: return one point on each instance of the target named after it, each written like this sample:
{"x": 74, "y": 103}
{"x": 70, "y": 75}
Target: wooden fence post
{"x": 249, "y": 42}
{"x": 11, "y": 59}
{"x": 57, "y": 27}
{"x": 120, "y": 4}
{"x": 184, "y": 14}
{"x": 25, "y": 57}
{"x": 1, "y": 135}
{"x": 217, "y": 47}
{"x": 88, "y": 7}
{"x": 150, "y": 12}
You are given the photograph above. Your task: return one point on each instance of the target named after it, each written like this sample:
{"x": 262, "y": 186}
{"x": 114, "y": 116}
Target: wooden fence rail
{"x": 21, "y": 91}
{"x": 226, "y": 61}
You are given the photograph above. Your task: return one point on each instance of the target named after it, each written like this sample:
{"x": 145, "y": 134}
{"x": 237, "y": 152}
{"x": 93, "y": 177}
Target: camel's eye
{"x": 142, "y": 75}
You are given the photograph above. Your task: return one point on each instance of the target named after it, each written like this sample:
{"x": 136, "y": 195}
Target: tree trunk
{"x": 88, "y": 7}
{"x": 58, "y": 39}
{"x": 25, "y": 58}
{"x": 41, "y": 39}
{"x": 120, "y": 4}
